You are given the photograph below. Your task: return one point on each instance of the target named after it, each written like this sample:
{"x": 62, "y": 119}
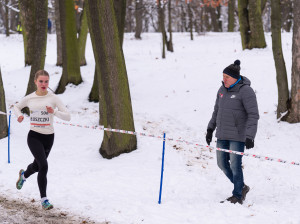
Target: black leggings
{"x": 40, "y": 146}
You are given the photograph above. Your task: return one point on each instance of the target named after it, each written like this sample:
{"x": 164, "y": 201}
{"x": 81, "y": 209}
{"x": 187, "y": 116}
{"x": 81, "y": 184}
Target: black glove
{"x": 209, "y": 136}
{"x": 249, "y": 143}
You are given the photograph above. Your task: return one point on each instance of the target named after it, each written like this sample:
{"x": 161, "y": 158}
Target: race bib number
{"x": 40, "y": 118}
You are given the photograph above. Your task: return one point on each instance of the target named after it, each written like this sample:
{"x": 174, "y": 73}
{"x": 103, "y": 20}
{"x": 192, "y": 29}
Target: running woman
{"x": 43, "y": 106}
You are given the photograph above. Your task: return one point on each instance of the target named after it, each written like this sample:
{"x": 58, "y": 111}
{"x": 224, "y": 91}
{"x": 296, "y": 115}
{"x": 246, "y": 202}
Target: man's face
{"x": 228, "y": 80}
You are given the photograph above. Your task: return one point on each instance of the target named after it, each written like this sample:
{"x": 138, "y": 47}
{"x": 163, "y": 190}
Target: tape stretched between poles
{"x": 184, "y": 141}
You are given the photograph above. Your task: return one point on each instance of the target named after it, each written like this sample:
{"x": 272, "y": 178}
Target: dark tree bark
{"x": 6, "y": 19}
{"x": 183, "y": 19}
{"x": 244, "y": 23}
{"x": 40, "y": 41}
{"x": 115, "y": 101}
{"x": 257, "y": 39}
{"x": 263, "y": 5}
{"x": 170, "y": 41}
{"x": 294, "y": 115}
{"x": 59, "y": 60}
{"x": 71, "y": 66}
{"x": 251, "y": 27}
{"x": 138, "y": 18}
{"x": 207, "y": 24}
{"x": 214, "y": 19}
{"x": 82, "y": 37}
{"x": 287, "y": 14}
{"x": 28, "y": 22}
{"x": 231, "y": 10}
{"x": 120, "y": 12}
{"x": 161, "y": 20}
{"x": 190, "y": 13}
{"x": 13, "y": 17}
{"x": 3, "y": 118}
{"x": 281, "y": 75}
{"x": 94, "y": 94}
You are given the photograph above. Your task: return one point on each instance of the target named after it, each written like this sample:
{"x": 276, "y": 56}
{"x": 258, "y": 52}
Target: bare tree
{"x": 59, "y": 60}
{"x": 40, "y": 41}
{"x": 138, "y": 18}
{"x": 162, "y": 28}
{"x": 294, "y": 115}
{"x": 3, "y": 118}
{"x": 28, "y": 21}
{"x": 114, "y": 95}
{"x": 287, "y": 14}
{"x": 281, "y": 75}
{"x": 251, "y": 27}
{"x": 82, "y": 36}
{"x": 14, "y": 15}
{"x": 231, "y": 11}
{"x": 71, "y": 66}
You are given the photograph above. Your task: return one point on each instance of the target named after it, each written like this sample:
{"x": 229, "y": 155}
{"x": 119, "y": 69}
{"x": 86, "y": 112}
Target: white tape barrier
{"x": 183, "y": 141}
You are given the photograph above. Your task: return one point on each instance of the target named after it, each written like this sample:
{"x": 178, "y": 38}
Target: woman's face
{"x": 42, "y": 83}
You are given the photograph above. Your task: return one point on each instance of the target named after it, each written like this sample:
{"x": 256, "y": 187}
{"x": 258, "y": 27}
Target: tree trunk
{"x": 2, "y": 12}
{"x": 138, "y": 18}
{"x": 6, "y": 19}
{"x": 13, "y": 17}
{"x": 231, "y": 10}
{"x": 251, "y": 27}
{"x": 129, "y": 16}
{"x": 94, "y": 94}
{"x": 190, "y": 13}
{"x": 40, "y": 41}
{"x": 161, "y": 20}
{"x": 120, "y": 12}
{"x": 59, "y": 60}
{"x": 115, "y": 101}
{"x": 207, "y": 25}
{"x": 3, "y": 118}
{"x": 257, "y": 37}
{"x": 170, "y": 41}
{"x": 294, "y": 115}
{"x": 287, "y": 14}
{"x": 244, "y": 23}
{"x": 214, "y": 19}
{"x": 28, "y": 20}
{"x": 183, "y": 19}
{"x": 71, "y": 66}
{"x": 220, "y": 22}
{"x": 281, "y": 75}
{"x": 83, "y": 32}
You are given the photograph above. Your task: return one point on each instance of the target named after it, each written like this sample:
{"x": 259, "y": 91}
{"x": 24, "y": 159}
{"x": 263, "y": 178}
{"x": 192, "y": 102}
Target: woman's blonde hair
{"x": 40, "y": 73}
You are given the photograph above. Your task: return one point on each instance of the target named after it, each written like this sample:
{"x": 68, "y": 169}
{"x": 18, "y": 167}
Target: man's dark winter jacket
{"x": 235, "y": 113}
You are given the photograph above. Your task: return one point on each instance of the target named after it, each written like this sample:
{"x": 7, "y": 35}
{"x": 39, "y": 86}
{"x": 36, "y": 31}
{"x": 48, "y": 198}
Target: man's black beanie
{"x": 233, "y": 70}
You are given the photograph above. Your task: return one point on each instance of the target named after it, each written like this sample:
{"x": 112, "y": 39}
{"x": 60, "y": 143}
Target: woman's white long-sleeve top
{"x": 40, "y": 120}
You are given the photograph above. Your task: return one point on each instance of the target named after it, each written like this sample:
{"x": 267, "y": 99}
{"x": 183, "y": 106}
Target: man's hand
{"x": 249, "y": 143}
{"x": 209, "y": 136}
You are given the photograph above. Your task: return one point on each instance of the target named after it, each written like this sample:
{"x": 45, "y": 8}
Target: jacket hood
{"x": 245, "y": 81}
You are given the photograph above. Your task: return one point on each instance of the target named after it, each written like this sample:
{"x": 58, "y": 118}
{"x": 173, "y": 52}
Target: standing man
{"x": 235, "y": 116}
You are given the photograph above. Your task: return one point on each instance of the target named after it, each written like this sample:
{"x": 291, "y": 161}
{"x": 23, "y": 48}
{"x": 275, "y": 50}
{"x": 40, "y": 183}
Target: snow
{"x": 173, "y": 95}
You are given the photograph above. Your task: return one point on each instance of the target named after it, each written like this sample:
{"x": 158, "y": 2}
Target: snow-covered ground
{"x": 175, "y": 95}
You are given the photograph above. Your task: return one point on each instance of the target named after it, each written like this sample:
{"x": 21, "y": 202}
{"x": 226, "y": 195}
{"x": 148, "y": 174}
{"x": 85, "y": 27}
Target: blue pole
{"x": 162, "y": 169}
{"x": 9, "y": 136}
